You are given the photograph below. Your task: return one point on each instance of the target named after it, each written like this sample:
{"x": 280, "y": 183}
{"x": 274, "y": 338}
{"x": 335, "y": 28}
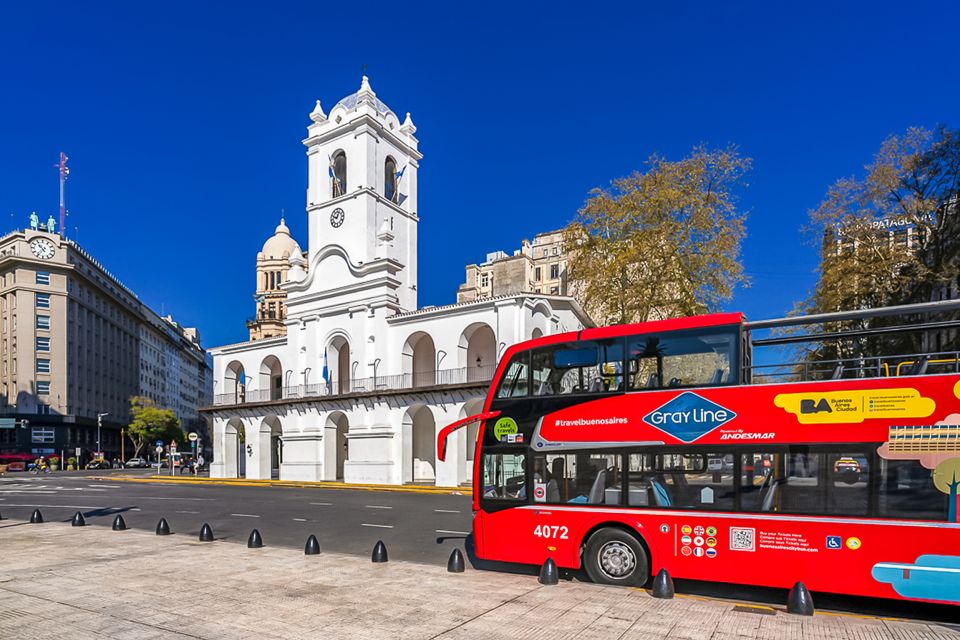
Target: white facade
{"x": 362, "y": 382}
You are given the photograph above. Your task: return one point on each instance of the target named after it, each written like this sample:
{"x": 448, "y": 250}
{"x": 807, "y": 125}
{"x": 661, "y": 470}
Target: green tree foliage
{"x": 149, "y": 422}
{"x": 889, "y": 236}
{"x": 661, "y": 243}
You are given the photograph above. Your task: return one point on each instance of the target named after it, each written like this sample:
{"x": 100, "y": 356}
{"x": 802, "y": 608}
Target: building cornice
{"x": 353, "y": 125}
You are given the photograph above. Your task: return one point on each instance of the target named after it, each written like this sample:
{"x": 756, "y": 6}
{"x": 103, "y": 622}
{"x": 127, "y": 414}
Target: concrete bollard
{"x": 36, "y": 517}
{"x": 548, "y": 573}
{"x": 455, "y": 563}
{"x": 662, "y": 585}
{"x": 254, "y": 541}
{"x": 799, "y": 600}
{"x": 163, "y": 529}
{"x": 206, "y": 533}
{"x": 119, "y": 524}
{"x": 312, "y": 547}
{"x": 379, "y": 552}
{"x": 78, "y": 520}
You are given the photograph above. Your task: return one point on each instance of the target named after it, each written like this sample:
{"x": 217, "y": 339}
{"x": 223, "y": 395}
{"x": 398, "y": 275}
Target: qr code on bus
{"x": 741, "y": 538}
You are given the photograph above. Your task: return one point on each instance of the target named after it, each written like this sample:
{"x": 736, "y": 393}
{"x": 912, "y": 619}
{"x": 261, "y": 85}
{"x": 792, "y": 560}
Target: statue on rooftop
{"x": 34, "y": 220}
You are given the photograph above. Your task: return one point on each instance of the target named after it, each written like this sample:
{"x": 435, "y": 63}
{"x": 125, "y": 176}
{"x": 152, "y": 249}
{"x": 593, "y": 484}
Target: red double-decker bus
{"x": 675, "y": 444}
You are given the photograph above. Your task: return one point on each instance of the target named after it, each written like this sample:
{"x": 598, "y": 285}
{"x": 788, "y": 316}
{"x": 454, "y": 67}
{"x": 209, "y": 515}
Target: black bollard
{"x": 662, "y": 585}
{"x": 206, "y": 533}
{"x": 312, "y": 547}
{"x": 119, "y": 524}
{"x": 548, "y": 573}
{"x": 379, "y": 552}
{"x": 36, "y": 517}
{"x": 455, "y": 563}
{"x": 163, "y": 529}
{"x": 78, "y": 520}
{"x": 254, "y": 541}
{"x": 799, "y": 600}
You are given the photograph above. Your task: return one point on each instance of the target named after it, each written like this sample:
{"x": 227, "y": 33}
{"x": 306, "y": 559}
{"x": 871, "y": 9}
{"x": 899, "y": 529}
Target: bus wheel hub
{"x": 617, "y": 559}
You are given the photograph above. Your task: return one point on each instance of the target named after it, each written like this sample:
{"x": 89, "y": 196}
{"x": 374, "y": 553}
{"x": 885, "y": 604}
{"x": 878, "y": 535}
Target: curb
{"x": 455, "y": 491}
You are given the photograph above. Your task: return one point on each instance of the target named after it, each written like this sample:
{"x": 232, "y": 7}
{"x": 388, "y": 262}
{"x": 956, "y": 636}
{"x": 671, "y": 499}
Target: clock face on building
{"x": 42, "y": 248}
{"x": 336, "y": 218}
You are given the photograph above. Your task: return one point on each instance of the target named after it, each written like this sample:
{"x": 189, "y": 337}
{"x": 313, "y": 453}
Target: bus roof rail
{"x": 940, "y": 306}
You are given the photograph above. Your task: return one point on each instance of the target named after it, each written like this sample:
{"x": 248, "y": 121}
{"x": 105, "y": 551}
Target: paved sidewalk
{"x": 91, "y": 582}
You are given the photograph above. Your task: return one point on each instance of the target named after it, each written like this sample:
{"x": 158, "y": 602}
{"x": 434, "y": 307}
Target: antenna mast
{"x": 64, "y": 172}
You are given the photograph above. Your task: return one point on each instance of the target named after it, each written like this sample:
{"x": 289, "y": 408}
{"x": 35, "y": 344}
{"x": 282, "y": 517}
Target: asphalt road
{"x": 419, "y": 527}
{"x": 414, "y": 526}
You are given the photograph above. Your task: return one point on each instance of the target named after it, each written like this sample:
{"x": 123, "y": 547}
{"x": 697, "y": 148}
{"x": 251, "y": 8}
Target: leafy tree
{"x": 149, "y": 422}
{"x": 889, "y": 237}
{"x": 662, "y": 243}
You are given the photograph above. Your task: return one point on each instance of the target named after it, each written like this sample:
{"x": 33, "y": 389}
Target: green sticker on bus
{"x": 504, "y": 427}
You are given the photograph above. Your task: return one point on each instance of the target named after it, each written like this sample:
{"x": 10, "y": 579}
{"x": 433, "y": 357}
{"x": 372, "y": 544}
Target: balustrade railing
{"x": 396, "y": 382}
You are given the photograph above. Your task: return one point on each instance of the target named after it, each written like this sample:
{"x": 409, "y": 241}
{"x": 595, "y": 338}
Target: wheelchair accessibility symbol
{"x": 834, "y": 542}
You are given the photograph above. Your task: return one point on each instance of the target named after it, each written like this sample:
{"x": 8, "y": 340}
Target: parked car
{"x": 99, "y": 463}
{"x": 137, "y": 463}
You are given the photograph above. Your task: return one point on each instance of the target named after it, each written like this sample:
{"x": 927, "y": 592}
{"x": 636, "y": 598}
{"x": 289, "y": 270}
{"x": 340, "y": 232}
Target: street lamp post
{"x": 100, "y": 424}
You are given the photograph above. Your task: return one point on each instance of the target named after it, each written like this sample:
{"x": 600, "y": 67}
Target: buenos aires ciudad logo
{"x": 688, "y": 416}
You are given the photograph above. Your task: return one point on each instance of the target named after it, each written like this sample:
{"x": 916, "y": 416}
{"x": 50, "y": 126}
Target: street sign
{"x": 159, "y": 449}
{"x": 173, "y": 445}
{"x": 159, "y": 443}
{"x": 7, "y": 423}
{"x": 193, "y": 436}
{"x": 78, "y": 452}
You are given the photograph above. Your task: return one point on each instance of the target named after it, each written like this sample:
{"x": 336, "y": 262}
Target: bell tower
{"x": 362, "y": 195}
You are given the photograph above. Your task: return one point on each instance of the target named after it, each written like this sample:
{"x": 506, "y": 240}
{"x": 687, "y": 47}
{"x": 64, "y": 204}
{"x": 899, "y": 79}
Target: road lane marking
{"x": 135, "y": 509}
{"x": 445, "y": 511}
{"x": 92, "y": 489}
{"x": 379, "y": 526}
{"x": 456, "y": 533}
{"x": 105, "y": 486}
{"x": 244, "y": 515}
{"x": 188, "y": 512}
{"x": 376, "y": 506}
{"x": 323, "y": 504}
{"x": 57, "y": 506}
{"x": 163, "y": 498}
{"x": 300, "y": 519}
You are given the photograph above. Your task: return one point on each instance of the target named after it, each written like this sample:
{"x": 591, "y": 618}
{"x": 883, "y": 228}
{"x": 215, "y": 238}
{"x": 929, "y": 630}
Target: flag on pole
{"x": 325, "y": 374}
{"x": 401, "y": 172}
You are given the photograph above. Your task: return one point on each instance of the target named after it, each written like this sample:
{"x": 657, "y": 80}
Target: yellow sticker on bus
{"x": 852, "y": 406}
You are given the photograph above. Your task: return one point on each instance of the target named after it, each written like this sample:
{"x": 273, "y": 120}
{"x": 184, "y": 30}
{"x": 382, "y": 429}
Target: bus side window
{"x": 585, "y": 477}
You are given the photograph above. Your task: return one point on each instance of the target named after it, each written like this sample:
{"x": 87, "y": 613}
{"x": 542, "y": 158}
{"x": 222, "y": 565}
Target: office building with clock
{"x": 344, "y": 376}
{"x": 76, "y": 343}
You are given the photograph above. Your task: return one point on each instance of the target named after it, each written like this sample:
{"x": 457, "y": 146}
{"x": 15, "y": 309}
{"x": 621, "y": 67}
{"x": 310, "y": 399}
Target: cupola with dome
{"x": 273, "y": 265}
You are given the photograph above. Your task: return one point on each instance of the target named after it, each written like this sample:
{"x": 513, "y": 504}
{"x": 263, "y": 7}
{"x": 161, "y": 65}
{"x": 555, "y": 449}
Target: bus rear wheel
{"x": 613, "y": 556}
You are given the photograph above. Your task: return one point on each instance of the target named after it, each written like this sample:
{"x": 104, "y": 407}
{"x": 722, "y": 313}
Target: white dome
{"x": 280, "y": 244}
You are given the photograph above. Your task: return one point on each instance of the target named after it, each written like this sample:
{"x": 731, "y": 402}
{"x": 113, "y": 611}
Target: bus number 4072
{"x": 548, "y": 531}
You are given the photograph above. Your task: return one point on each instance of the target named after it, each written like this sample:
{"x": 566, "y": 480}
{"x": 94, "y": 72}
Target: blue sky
{"x": 183, "y": 121}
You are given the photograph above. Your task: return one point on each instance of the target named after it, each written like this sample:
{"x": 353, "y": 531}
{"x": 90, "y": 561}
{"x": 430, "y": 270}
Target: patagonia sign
{"x": 688, "y": 416}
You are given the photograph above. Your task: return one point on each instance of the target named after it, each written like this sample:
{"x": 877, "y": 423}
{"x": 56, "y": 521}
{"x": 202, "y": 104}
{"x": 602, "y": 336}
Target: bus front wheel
{"x": 613, "y": 556}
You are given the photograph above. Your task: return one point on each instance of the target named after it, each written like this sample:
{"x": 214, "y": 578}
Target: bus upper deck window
{"x": 578, "y": 367}
{"x": 514, "y": 382}
{"x": 693, "y": 358}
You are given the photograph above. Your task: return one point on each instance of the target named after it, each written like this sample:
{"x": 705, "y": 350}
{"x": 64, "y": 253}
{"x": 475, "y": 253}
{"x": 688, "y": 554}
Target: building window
{"x": 43, "y": 409}
{"x": 43, "y": 301}
{"x": 43, "y": 277}
{"x": 554, "y": 271}
{"x": 43, "y": 365}
{"x": 390, "y": 179}
{"x": 485, "y": 280}
{"x": 537, "y": 274}
{"x": 43, "y": 322}
{"x": 42, "y": 435}
{"x": 43, "y": 344}
{"x": 43, "y": 387}
{"x": 338, "y": 174}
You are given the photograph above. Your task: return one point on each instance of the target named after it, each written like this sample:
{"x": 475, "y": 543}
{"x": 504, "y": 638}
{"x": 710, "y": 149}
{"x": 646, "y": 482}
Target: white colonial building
{"x": 363, "y": 380}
